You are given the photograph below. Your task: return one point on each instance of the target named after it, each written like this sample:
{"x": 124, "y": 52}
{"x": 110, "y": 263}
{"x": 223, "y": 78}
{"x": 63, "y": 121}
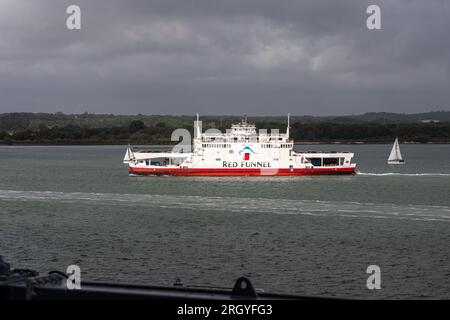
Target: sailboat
{"x": 395, "y": 157}
{"x": 129, "y": 155}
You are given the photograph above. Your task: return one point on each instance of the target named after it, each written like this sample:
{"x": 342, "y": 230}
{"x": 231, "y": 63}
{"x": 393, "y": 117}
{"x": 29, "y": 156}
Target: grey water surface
{"x": 65, "y": 205}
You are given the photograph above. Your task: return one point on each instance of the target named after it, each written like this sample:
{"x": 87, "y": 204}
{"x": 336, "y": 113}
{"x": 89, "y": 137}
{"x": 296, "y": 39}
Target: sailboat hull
{"x": 396, "y": 162}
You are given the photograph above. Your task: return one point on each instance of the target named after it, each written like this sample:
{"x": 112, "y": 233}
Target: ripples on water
{"x": 272, "y": 206}
{"x": 307, "y": 235}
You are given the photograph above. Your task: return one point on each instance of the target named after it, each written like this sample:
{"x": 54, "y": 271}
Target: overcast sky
{"x": 259, "y": 57}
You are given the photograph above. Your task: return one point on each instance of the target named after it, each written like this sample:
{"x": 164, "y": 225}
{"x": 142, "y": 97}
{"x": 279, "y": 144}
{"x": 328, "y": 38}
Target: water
{"x": 304, "y": 235}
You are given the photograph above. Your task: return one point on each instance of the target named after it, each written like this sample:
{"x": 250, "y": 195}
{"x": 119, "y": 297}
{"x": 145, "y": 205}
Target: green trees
{"x": 135, "y": 126}
{"x": 21, "y": 129}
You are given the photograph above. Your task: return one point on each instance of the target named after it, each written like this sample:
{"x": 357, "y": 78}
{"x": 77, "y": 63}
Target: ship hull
{"x": 221, "y": 172}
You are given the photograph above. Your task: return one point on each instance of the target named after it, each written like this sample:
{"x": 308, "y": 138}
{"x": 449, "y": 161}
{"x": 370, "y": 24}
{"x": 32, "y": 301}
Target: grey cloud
{"x": 224, "y": 57}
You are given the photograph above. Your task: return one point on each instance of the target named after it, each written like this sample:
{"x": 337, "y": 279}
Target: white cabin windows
{"x": 273, "y": 145}
{"x": 216, "y": 145}
{"x": 325, "y": 162}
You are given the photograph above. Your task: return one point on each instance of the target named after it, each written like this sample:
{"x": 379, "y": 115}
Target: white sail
{"x": 129, "y": 155}
{"x": 395, "y": 152}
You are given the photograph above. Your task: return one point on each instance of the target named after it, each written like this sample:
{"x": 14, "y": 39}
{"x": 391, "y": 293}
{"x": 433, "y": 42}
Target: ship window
{"x": 330, "y": 161}
{"x": 316, "y": 162}
{"x": 231, "y": 152}
{"x": 341, "y": 161}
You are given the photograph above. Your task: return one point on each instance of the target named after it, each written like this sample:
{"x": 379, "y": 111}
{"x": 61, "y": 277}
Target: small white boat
{"x": 395, "y": 157}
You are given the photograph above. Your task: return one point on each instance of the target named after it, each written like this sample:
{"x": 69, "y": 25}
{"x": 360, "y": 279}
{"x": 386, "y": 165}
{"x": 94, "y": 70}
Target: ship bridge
{"x": 243, "y": 128}
{"x": 242, "y": 131}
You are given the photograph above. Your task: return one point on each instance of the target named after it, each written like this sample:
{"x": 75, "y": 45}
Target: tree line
{"x": 137, "y": 132}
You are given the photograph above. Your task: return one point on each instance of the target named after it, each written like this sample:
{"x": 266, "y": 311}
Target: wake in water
{"x": 402, "y": 174}
{"x": 239, "y": 205}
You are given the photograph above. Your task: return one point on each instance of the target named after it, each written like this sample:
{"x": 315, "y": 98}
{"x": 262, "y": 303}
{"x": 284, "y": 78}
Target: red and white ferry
{"x": 241, "y": 151}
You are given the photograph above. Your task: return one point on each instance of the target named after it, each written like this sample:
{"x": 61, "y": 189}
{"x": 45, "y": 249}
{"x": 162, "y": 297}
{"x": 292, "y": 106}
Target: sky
{"x": 227, "y": 57}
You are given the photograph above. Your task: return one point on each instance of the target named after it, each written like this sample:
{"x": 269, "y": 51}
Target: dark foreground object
{"x": 179, "y": 301}
{"x": 24, "y": 284}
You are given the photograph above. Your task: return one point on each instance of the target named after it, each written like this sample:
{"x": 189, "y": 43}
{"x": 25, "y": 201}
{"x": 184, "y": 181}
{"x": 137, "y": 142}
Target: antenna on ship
{"x": 288, "y": 125}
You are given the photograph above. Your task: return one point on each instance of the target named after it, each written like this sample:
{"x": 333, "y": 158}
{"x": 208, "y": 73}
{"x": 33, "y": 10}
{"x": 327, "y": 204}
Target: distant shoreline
{"x": 124, "y": 143}
{"x": 88, "y": 129}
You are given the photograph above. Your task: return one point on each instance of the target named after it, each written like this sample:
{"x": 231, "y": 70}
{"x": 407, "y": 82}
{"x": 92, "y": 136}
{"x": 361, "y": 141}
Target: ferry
{"x": 241, "y": 151}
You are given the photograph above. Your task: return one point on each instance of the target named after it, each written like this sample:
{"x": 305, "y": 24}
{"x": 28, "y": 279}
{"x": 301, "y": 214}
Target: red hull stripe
{"x": 241, "y": 172}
